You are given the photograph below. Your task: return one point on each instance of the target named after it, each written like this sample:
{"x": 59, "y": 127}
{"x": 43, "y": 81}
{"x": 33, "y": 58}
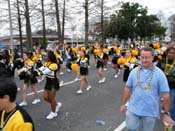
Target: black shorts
{"x": 30, "y": 79}
{"x": 126, "y": 74}
{"x": 52, "y": 83}
{"x": 115, "y": 59}
{"x": 105, "y": 57}
{"x": 39, "y": 64}
{"x": 100, "y": 64}
{"x": 83, "y": 71}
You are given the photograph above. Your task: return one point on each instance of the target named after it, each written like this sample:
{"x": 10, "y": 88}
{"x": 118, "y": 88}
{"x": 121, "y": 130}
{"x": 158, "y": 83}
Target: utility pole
{"x": 63, "y": 21}
{"x": 11, "y": 28}
{"x": 86, "y": 6}
{"x": 43, "y": 18}
{"x": 102, "y": 22}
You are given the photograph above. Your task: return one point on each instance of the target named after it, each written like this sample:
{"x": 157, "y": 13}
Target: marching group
{"x": 149, "y": 71}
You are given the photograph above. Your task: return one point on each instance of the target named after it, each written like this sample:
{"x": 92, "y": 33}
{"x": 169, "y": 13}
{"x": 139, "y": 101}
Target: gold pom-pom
{"x": 134, "y": 53}
{"x": 121, "y": 61}
{"x": 159, "y": 57}
{"x": 116, "y": 49}
{"x": 83, "y": 48}
{"x": 105, "y": 50}
{"x": 96, "y": 51}
{"x": 34, "y": 58}
{"x": 74, "y": 66}
{"x": 75, "y": 50}
{"x": 156, "y": 45}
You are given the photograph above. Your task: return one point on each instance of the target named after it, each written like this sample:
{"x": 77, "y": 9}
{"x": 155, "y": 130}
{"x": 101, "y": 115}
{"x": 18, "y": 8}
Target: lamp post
{"x": 11, "y": 28}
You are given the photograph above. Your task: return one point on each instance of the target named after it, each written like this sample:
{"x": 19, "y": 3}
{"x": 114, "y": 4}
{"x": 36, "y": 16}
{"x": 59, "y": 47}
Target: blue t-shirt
{"x": 145, "y": 102}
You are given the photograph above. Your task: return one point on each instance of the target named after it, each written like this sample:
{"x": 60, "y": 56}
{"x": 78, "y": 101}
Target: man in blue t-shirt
{"x": 143, "y": 88}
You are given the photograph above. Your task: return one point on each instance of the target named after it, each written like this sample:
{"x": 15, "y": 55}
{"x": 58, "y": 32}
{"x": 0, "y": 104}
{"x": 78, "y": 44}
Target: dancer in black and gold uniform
{"x": 29, "y": 78}
{"x": 50, "y": 69}
{"x": 106, "y": 56}
{"x": 37, "y": 58}
{"x": 83, "y": 63}
{"x": 6, "y": 68}
{"x": 13, "y": 117}
{"x": 100, "y": 65}
{"x": 60, "y": 65}
{"x": 129, "y": 65}
{"x": 59, "y": 61}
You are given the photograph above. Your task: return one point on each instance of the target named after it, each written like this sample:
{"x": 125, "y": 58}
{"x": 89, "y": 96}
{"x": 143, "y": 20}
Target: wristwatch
{"x": 166, "y": 113}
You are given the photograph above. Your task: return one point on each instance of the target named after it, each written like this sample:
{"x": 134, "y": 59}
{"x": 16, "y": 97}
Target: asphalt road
{"x": 80, "y": 112}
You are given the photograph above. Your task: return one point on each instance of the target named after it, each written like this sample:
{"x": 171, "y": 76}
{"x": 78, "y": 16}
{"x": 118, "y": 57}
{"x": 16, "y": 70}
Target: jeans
{"x": 134, "y": 122}
{"x": 172, "y": 106}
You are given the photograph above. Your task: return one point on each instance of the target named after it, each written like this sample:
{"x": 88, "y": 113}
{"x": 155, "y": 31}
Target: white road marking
{"x": 66, "y": 83}
{"x": 69, "y": 82}
{"x": 121, "y": 126}
{"x": 33, "y": 93}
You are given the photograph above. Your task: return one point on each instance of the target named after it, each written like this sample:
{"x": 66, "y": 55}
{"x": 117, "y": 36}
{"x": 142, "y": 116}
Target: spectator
{"x": 146, "y": 83}
{"x": 168, "y": 67}
{"x": 13, "y": 117}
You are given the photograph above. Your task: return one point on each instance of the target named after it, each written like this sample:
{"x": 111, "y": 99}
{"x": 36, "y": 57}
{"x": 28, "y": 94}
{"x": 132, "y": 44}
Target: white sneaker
{"x": 36, "y": 101}
{"x": 51, "y": 115}
{"x": 79, "y": 92}
{"x": 24, "y": 103}
{"x": 116, "y": 76}
{"x": 61, "y": 83}
{"x": 100, "y": 81}
{"x": 88, "y": 87}
{"x": 19, "y": 89}
{"x": 109, "y": 63}
{"x": 58, "y": 106}
{"x": 68, "y": 70}
{"x": 105, "y": 69}
{"x": 43, "y": 77}
{"x": 162, "y": 111}
{"x": 103, "y": 80}
{"x": 61, "y": 73}
{"x": 39, "y": 81}
{"x": 119, "y": 72}
{"x": 89, "y": 66}
{"x": 162, "y": 99}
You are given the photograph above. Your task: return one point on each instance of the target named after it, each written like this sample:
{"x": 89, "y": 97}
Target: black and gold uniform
{"x": 17, "y": 120}
{"x": 37, "y": 59}
{"x": 6, "y": 65}
{"x": 59, "y": 60}
{"x": 83, "y": 63}
{"x": 100, "y": 60}
{"x": 49, "y": 70}
{"x": 28, "y": 76}
{"x": 105, "y": 53}
{"x": 88, "y": 56}
{"x": 168, "y": 67}
{"x": 127, "y": 70}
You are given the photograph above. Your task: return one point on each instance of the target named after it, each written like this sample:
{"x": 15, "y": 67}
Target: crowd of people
{"x": 145, "y": 67}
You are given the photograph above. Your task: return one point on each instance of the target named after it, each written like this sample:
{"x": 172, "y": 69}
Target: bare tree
{"x": 63, "y": 20}
{"x": 58, "y": 20}
{"x": 28, "y": 26}
{"x": 43, "y": 20}
{"x": 20, "y": 27}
